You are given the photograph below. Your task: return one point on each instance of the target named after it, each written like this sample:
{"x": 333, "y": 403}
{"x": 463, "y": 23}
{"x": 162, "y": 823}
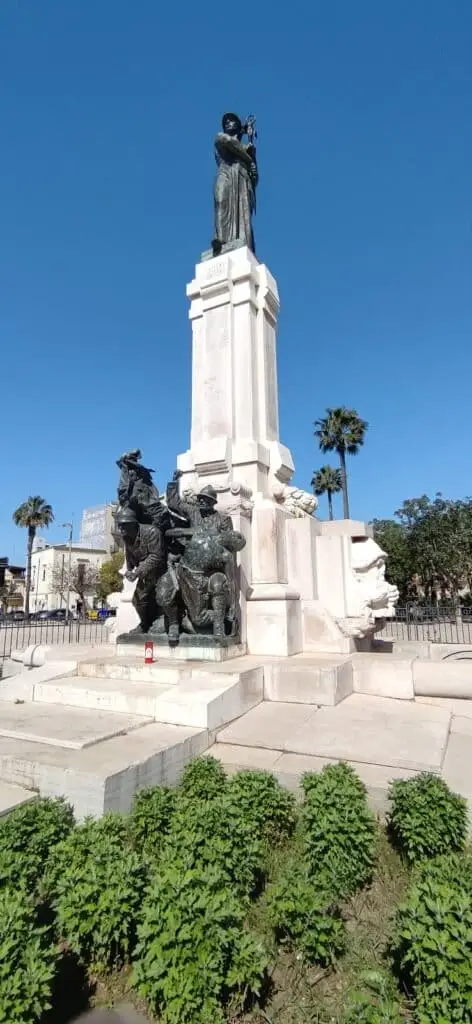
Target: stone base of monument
{"x": 189, "y": 648}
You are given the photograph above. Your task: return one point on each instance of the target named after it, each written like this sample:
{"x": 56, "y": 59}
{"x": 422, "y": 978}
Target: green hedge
{"x": 426, "y": 819}
{"x": 301, "y": 914}
{"x": 194, "y": 954}
{"x": 28, "y": 835}
{"x": 340, "y": 832}
{"x": 98, "y": 887}
{"x": 28, "y": 955}
{"x": 432, "y": 944}
{"x": 212, "y": 832}
{"x": 151, "y": 818}
{"x": 259, "y": 798}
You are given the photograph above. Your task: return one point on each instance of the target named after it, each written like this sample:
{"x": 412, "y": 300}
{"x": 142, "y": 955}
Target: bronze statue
{"x": 181, "y": 552}
{"x": 235, "y": 184}
{"x": 198, "y": 592}
{"x": 137, "y": 491}
{"x": 145, "y": 562}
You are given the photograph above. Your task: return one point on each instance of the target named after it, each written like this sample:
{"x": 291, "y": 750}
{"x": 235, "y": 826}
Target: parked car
{"x": 52, "y": 615}
{"x": 16, "y": 616}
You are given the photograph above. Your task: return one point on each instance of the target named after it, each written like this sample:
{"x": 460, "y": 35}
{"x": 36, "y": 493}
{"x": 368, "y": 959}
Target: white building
{"x": 49, "y": 574}
{"x": 96, "y": 528}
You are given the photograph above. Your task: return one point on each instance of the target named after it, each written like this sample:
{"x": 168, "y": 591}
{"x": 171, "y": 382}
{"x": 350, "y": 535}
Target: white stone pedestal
{"x": 235, "y": 443}
{"x": 234, "y": 304}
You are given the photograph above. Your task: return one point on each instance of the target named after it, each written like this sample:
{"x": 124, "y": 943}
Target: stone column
{"x": 234, "y": 436}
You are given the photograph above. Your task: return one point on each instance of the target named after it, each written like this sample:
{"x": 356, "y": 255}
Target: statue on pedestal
{"x": 235, "y": 184}
{"x": 180, "y": 552}
{"x": 136, "y": 489}
{"x": 145, "y": 562}
{"x": 198, "y": 592}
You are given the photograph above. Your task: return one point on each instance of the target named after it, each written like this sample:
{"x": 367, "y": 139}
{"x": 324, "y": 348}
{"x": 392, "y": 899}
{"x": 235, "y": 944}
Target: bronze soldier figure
{"x": 145, "y": 562}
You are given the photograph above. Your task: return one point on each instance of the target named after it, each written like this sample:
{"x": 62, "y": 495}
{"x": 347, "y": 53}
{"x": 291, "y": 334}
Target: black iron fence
{"x": 435, "y": 623}
{"x": 16, "y": 636}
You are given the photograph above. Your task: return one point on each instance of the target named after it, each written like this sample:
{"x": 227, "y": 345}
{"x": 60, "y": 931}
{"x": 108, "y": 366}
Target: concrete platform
{"x": 361, "y": 729}
{"x": 73, "y": 728}
{"x": 103, "y": 777}
{"x": 185, "y": 651}
{"x": 13, "y": 796}
{"x": 269, "y": 725}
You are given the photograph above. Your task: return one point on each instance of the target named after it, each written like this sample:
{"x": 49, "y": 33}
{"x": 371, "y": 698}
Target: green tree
{"x": 343, "y": 431}
{"x": 439, "y": 540}
{"x": 110, "y": 579}
{"x": 392, "y": 537}
{"x": 33, "y": 514}
{"x": 327, "y": 480}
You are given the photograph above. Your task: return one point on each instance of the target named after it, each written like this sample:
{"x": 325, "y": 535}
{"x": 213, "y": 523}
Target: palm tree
{"x": 32, "y": 514}
{"x": 327, "y": 480}
{"x": 341, "y": 430}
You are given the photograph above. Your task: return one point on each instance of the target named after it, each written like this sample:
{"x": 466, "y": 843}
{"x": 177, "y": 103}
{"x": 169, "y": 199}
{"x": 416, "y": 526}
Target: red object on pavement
{"x": 148, "y": 652}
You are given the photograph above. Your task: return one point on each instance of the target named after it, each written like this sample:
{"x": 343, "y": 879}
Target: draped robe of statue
{"x": 235, "y": 191}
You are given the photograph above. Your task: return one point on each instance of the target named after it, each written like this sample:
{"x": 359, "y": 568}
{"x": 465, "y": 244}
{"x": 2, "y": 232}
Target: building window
{"x": 44, "y": 575}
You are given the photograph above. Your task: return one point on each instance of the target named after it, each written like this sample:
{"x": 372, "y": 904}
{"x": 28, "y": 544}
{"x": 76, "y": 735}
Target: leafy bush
{"x": 99, "y": 884}
{"x": 27, "y": 960}
{"x": 86, "y": 842}
{"x": 259, "y": 797}
{"x": 375, "y": 1003}
{"x": 340, "y": 831}
{"x": 203, "y": 779}
{"x": 432, "y": 947}
{"x": 213, "y": 832}
{"x": 27, "y": 835}
{"x": 300, "y": 913}
{"x": 426, "y": 818}
{"x": 151, "y": 818}
{"x": 193, "y": 952}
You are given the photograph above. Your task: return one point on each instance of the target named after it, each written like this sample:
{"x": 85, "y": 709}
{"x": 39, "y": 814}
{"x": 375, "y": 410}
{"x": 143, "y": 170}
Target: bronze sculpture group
{"x": 181, "y": 553}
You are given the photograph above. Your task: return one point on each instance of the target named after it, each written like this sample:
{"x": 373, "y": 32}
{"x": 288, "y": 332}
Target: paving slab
{"x": 456, "y": 705}
{"x": 268, "y": 725}
{"x": 235, "y": 757}
{"x": 58, "y": 726}
{"x": 13, "y": 796}
{"x": 457, "y": 764}
{"x": 375, "y": 730}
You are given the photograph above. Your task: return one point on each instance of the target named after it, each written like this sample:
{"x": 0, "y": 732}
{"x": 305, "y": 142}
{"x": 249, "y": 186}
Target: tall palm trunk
{"x": 330, "y": 504}
{"x": 342, "y": 459}
{"x": 29, "y": 555}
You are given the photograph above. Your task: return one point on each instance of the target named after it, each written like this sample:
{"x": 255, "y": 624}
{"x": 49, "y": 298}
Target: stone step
{"x": 362, "y": 729}
{"x": 13, "y": 796}
{"x": 130, "y": 670}
{"x": 103, "y": 777}
{"x": 60, "y": 726}
{"x": 119, "y": 696}
{"x": 203, "y": 700}
{"x": 308, "y": 679}
{"x": 303, "y": 679}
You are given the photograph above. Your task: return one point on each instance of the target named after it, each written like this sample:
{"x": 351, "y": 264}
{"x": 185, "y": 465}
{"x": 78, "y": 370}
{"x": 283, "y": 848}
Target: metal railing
{"x": 16, "y": 636}
{"x": 434, "y": 623}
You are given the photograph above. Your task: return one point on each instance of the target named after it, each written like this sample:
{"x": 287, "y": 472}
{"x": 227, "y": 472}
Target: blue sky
{"x": 108, "y": 109}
